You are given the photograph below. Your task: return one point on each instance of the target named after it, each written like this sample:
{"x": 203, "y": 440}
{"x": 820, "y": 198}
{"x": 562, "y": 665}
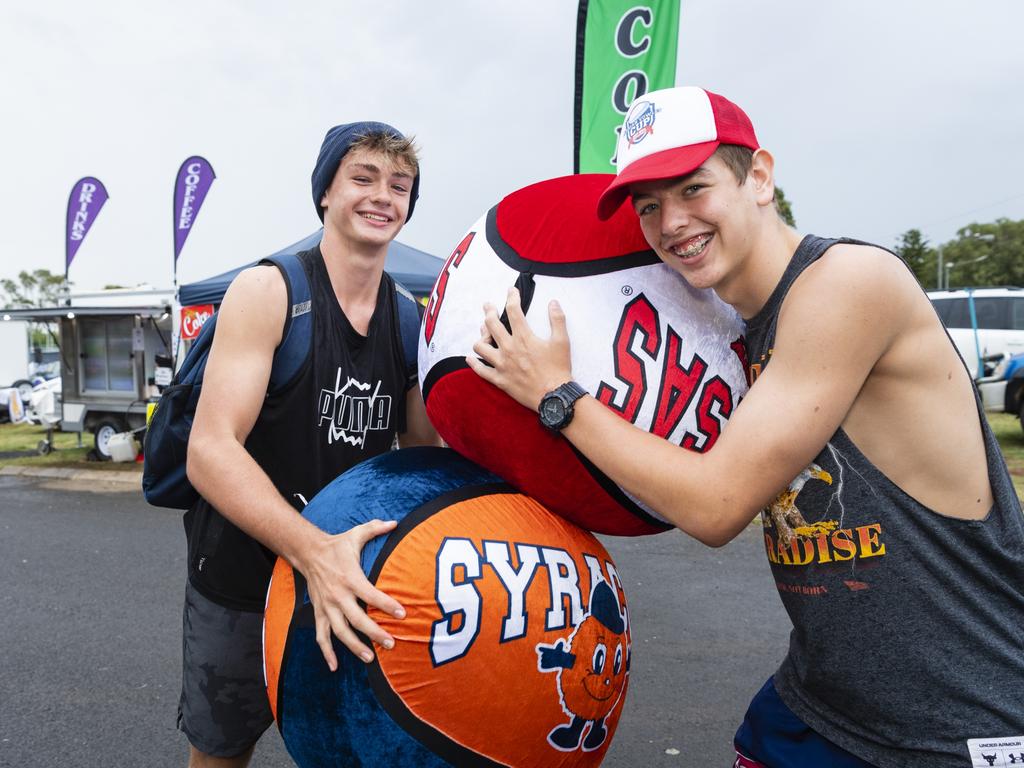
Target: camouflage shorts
{"x": 223, "y": 708}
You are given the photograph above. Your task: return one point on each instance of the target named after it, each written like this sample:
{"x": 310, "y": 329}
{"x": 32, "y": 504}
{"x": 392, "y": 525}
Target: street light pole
{"x": 944, "y": 268}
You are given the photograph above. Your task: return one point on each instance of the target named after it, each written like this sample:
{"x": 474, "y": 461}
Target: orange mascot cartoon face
{"x": 592, "y": 665}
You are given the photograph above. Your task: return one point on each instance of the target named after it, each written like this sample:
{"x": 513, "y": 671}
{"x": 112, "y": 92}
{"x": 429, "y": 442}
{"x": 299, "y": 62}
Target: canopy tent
{"x": 412, "y": 268}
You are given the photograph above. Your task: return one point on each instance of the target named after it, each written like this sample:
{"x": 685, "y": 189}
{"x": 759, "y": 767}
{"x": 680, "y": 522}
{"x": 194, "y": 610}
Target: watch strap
{"x": 571, "y": 392}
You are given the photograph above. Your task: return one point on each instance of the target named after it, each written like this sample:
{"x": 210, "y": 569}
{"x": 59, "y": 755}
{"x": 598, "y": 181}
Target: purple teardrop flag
{"x": 84, "y": 204}
{"x": 194, "y": 179}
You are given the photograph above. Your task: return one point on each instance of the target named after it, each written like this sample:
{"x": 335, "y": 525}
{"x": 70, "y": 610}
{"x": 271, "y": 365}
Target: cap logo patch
{"x": 639, "y": 122}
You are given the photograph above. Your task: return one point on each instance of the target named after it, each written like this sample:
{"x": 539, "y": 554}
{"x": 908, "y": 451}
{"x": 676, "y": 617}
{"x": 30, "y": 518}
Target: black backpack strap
{"x": 297, "y": 336}
{"x": 408, "y": 329}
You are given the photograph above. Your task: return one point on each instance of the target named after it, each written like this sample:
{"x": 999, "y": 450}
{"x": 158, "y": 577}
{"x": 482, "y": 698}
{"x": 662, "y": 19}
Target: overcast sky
{"x": 882, "y": 114}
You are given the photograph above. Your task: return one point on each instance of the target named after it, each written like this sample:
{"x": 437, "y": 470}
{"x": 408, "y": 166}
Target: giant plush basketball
{"x": 515, "y": 646}
{"x": 659, "y": 353}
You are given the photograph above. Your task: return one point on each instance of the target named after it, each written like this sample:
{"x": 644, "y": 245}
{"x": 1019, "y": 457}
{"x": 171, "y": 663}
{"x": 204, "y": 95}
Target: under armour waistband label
{"x": 997, "y": 752}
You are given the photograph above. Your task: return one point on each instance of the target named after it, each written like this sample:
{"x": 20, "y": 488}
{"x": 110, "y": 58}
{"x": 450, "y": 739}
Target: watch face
{"x": 552, "y": 411}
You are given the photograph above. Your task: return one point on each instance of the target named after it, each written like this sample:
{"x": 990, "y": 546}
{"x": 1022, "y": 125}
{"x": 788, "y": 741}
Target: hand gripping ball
{"x": 515, "y": 646}
{"x": 662, "y": 355}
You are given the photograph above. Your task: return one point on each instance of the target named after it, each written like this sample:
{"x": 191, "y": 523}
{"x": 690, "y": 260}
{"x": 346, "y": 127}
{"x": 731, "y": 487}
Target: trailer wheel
{"x": 102, "y": 433}
{"x": 44, "y": 447}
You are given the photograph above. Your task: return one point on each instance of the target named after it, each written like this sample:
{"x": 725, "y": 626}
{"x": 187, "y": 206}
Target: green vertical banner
{"x": 624, "y": 49}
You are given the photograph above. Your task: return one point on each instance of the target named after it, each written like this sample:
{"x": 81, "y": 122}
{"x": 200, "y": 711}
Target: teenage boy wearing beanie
{"x": 890, "y": 523}
{"x": 256, "y": 459}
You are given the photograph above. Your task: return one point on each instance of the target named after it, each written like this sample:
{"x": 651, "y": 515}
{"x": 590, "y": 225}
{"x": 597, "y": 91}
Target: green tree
{"x": 913, "y": 249}
{"x": 783, "y": 206}
{"x": 986, "y": 254}
{"x": 39, "y": 288}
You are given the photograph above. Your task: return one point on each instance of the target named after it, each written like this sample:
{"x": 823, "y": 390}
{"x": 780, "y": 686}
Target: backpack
{"x": 164, "y": 480}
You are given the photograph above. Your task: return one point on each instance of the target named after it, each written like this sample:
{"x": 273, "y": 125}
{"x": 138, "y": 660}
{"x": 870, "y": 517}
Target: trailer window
{"x": 107, "y": 354}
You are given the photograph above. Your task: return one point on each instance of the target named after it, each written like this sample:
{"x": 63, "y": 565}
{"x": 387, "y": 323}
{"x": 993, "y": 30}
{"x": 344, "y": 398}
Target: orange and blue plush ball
{"x": 514, "y": 650}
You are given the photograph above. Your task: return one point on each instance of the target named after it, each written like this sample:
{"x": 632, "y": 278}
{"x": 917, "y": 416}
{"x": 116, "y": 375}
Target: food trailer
{"x": 108, "y": 343}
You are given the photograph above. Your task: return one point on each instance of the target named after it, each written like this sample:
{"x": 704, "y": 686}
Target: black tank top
{"x": 346, "y": 405}
{"x": 907, "y": 646}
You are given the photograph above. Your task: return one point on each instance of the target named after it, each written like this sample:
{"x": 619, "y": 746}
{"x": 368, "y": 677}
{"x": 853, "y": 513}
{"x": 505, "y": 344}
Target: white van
{"x": 997, "y": 329}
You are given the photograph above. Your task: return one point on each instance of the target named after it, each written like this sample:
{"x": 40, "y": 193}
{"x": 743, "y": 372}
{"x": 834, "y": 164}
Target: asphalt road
{"x": 90, "y": 632}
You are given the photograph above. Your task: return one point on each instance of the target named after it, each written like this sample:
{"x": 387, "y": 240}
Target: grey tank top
{"x": 908, "y": 626}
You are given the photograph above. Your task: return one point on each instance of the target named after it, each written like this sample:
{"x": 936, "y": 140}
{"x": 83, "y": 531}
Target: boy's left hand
{"x": 519, "y": 363}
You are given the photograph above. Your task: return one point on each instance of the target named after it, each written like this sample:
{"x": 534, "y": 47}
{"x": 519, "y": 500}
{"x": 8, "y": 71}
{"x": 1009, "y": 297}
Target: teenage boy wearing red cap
{"x": 890, "y": 523}
{"x": 255, "y": 458}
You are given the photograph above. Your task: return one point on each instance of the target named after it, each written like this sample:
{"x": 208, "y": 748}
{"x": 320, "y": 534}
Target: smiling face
{"x": 593, "y": 685}
{"x": 704, "y": 225}
{"x": 368, "y": 199}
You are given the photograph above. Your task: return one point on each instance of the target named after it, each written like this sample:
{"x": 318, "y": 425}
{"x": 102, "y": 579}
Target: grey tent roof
{"x": 412, "y": 268}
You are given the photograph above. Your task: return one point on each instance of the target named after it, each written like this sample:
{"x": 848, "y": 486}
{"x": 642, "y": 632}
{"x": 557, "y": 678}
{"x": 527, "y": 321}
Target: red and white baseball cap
{"x": 670, "y": 133}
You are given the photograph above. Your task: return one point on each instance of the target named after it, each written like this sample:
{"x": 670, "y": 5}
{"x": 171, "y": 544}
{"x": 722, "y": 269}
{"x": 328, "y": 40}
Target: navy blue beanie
{"x": 337, "y": 142}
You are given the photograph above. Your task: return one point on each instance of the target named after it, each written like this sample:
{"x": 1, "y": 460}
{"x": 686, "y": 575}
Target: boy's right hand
{"x": 337, "y": 584}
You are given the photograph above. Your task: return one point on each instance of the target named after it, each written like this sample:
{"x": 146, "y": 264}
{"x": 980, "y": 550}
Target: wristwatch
{"x": 556, "y": 407}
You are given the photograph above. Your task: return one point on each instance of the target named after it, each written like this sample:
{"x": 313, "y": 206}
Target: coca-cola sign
{"x": 193, "y": 318}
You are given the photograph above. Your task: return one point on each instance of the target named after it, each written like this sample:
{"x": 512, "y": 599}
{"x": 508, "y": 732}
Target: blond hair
{"x": 399, "y": 150}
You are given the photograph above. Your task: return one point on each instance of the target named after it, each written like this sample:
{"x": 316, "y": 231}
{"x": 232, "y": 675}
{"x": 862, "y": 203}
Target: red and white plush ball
{"x": 665, "y": 356}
